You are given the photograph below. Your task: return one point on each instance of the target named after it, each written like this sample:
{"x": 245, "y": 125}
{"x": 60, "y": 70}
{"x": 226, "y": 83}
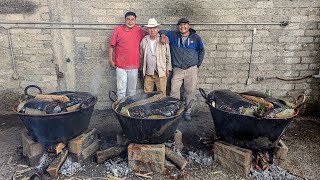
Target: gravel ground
{"x": 302, "y": 138}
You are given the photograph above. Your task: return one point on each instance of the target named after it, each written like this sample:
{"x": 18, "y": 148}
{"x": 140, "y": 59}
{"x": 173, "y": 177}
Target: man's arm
{"x": 163, "y": 37}
{"x": 168, "y": 58}
{"x": 201, "y": 52}
{"x": 141, "y": 55}
{"x": 200, "y": 56}
{"x": 111, "y": 61}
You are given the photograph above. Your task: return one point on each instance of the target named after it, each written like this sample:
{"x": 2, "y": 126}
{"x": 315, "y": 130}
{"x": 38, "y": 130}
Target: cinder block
{"x": 280, "y": 151}
{"x": 232, "y": 157}
{"x": 86, "y": 153}
{"x": 234, "y": 153}
{"x": 147, "y": 158}
{"x": 31, "y": 149}
{"x": 78, "y": 144}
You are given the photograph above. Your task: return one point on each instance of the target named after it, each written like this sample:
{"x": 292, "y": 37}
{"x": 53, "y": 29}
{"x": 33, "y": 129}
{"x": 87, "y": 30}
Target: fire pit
{"x": 147, "y": 130}
{"x": 53, "y": 128}
{"x": 246, "y": 131}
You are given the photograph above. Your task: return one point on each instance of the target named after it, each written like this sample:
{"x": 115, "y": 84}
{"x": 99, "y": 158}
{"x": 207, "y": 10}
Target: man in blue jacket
{"x": 187, "y": 53}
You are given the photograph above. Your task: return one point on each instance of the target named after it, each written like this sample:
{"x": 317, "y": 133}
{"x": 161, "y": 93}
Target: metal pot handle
{"x": 204, "y": 95}
{"x": 302, "y": 99}
{"x": 110, "y": 93}
{"x": 32, "y": 86}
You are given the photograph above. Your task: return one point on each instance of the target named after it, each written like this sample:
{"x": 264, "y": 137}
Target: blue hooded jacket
{"x": 185, "y": 56}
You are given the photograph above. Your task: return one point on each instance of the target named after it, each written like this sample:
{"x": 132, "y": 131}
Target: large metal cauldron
{"x": 144, "y": 130}
{"x": 246, "y": 131}
{"x": 54, "y": 128}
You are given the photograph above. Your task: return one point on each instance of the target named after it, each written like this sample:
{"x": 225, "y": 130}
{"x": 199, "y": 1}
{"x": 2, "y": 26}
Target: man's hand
{"x": 112, "y": 64}
{"x": 164, "y": 39}
{"x": 167, "y": 73}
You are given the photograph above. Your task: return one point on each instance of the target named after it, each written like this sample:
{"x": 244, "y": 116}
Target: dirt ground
{"x": 302, "y": 138}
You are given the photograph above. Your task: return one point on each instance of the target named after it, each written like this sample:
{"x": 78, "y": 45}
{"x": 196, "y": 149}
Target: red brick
{"x": 147, "y": 158}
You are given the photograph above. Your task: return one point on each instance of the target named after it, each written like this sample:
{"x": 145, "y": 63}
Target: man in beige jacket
{"x": 155, "y": 59}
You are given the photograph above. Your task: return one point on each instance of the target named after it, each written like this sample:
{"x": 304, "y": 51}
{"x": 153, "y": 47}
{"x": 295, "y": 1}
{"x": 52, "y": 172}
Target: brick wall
{"x": 81, "y": 55}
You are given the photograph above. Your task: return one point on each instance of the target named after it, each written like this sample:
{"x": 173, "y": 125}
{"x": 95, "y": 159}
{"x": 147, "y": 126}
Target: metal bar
{"x": 103, "y": 24}
{"x": 90, "y": 28}
{"x": 31, "y": 27}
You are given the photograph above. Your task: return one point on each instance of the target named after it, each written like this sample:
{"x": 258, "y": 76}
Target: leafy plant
{"x": 261, "y": 109}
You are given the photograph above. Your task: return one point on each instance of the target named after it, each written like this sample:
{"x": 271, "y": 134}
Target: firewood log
{"x": 176, "y": 159}
{"x": 257, "y": 100}
{"x": 50, "y": 97}
{"x": 110, "y": 153}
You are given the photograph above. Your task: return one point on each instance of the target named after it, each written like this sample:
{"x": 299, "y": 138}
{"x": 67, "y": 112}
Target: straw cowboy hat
{"x": 152, "y": 23}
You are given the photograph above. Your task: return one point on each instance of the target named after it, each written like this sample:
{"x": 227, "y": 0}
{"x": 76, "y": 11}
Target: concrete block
{"x": 232, "y": 165}
{"x": 147, "y": 158}
{"x": 280, "y": 151}
{"x": 236, "y": 154}
{"x": 85, "y": 153}
{"x": 31, "y": 149}
{"x": 78, "y": 144}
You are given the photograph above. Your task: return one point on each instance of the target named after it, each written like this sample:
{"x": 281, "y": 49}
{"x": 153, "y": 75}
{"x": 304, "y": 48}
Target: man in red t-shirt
{"x": 124, "y": 54}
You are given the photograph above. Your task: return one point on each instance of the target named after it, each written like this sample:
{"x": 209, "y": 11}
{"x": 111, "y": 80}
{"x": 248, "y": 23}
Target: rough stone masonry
{"x": 66, "y": 59}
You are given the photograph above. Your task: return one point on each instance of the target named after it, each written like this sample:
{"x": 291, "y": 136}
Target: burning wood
{"x": 110, "y": 153}
{"x": 49, "y": 97}
{"x": 174, "y": 157}
{"x": 57, "y": 163}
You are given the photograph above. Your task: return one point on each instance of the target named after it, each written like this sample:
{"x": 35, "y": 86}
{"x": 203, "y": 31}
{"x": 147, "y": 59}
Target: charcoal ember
{"x": 166, "y": 107}
{"x": 131, "y": 99}
{"x": 227, "y": 100}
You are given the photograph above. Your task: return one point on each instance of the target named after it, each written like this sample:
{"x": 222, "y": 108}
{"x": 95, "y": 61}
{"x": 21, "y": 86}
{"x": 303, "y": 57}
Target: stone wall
{"x": 66, "y": 59}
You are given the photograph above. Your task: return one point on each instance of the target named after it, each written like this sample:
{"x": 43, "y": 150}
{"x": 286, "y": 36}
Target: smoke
{"x": 96, "y": 80}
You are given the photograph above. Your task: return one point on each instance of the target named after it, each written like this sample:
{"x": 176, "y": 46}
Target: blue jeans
{"x": 126, "y": 82}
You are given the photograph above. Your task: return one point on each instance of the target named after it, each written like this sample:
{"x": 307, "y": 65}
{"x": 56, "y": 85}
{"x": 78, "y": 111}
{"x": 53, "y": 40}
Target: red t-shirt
{"x": 127, "y": 46}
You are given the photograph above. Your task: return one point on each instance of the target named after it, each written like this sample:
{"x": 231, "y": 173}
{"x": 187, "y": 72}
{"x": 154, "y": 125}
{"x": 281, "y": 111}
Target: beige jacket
{"x": 163, "y": 56}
